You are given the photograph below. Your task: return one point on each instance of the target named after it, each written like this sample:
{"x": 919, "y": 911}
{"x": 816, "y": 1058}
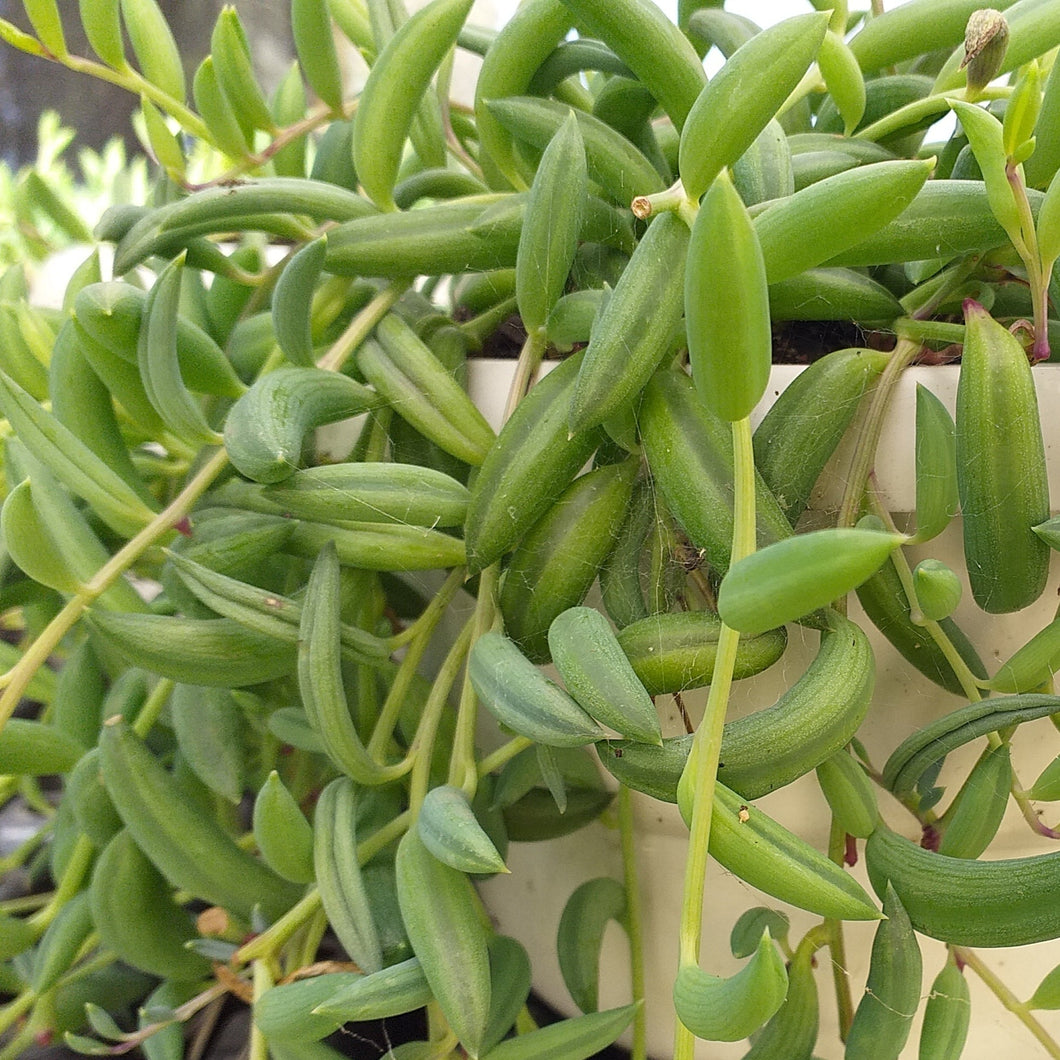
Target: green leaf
{"x": 1021, "y": 112}
{"x": 747, "y": 932}
{"x": 450, "y": 831}
{"x": 1047, "y": 996}
{"x": 744, "y": 96}
{"x": 509, "y": 987}
{"x": 986, "y": 137}
{"x": 11, "y": 34}
{"x": 581, "y": 934}
{"x": 154, "y": 46}
{"x": 44, "y": 16}
{"x": 1032, "y": 664}
{"x": 212, "y": 737}
{"x": 85, "y": 1046}
{"x": 444, "y": 925}
{"x": 728, "y": 1009}
{"x": 938, "y": 589}
{"x": 793, "y": 577}
{"x": 727, "y": 305}
{"x": 936, "y": 466}
{"x": 832, "y": 215}
{"x": 1049, "y": 224}
{"x": 573, "y": 1039}
{"x": 843, "y": 78}
{"x": 551, "y": 225}
{"x": 164, "y": 146}
{"x": 102, "y": 1022}
{"x": 102, "y": 23}
{"x": 72, "y": 462}
{"x": 1047, "y": 787}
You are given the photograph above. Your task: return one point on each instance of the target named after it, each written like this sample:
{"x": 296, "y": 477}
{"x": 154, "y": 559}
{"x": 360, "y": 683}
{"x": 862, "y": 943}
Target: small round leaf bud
{"x": 938, "y": 589}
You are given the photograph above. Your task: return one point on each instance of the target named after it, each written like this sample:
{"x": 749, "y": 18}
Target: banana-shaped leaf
{"x": 726, "y": 1010}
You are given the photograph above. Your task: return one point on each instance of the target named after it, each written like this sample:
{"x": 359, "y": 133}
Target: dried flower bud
{"x": 985, "y": 41}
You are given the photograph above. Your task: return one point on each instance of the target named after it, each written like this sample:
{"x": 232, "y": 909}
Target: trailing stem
{"x": 702, "y": 768}
{"x": 634, "y": 921}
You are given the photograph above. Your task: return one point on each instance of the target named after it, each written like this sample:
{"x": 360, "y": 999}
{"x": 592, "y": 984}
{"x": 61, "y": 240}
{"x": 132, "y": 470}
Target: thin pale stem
{"x": 73, "y": 877}
{"x": 706, "y": 748}
{"x": 634, "y": 920}
{"x": 258, "y": 1048}
{"x": 18, "y": 677}
{"x": 266, "y": 945}
{"x": 427, "y": 731}
{"x": 16, "y": 1008}
{"x": 526, "y": 369}
{"x": 1027, "y": 247}
{"x": 463, "y": 772}
{"x": 361, "y": 326}
{"x": 927, "y": 107}
{"x": 837, "y": 943}
{"x": 397, "y": 695}
{"x": 503, "y": 755}
{"x": 1007, "y": 998}
{"x": 427, "y": 618}
{"x": 132, "y": 81}
{"x": 153, "y": 706}
{"x": 969, "y": 683}
{"x": 872, "y": 425}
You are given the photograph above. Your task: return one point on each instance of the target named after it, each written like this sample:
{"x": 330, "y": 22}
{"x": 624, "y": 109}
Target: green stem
{"x": 15, "y": 1009}
{"x": 427, "y": 731}
{"x": 258, "y": 1048}
{"x": 929, "y": 330}
{"x": 382, "y": 837}
{"x": 526, "y": 368}
{"x": 19, "y": 1044}
{"x": 18, "y": 677}
{"x": 1008, "y": 999}
{"x": 132, "y": 81}
{"x": 968, "y": 680}
{"x": 152, "y": 708}
{"x": 478, "y": 329}
{"x": 919, "y": 109}
{"x": 463, "y": 772}
{"x": 871, "y": 426}
{"x": 837, "y": 943}
{"x": 634, "y": 921}
{"x": 503, "y": 755}
{"x": 360, "y": 327}
{"x": 73, "y": 877}
{"x": 266, "y": 945}
{"x": 398, "y": 694}
{"x": 702, "y": 767}
{"x": 1027, "y": 247}
{"x": 428, "y": 617}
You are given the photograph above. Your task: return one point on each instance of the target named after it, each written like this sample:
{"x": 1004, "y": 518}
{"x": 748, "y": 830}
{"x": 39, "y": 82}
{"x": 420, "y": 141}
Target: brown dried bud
{"x": 213, "y": 922}
{"x": 985, "y": 41}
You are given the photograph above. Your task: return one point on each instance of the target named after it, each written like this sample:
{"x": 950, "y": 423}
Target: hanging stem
{"x": 398, "y": 693}
{"x": 423, "y": 744}
{"x": 526, "y": 369}
{"x": 634, "y": 921}
{"x": 702, "y": 767}
{"x": 837, "y": 943}
{"x": 15, "y": 681}
{"x": 360, "y": 327}
{"x": 1007, "y": 998}
{"x": 869, "y": 436}
{"x": 463, "y": 772}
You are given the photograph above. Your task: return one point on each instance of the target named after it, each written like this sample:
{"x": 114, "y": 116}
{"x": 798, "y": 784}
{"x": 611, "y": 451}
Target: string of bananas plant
{"x": 217, "y": 639}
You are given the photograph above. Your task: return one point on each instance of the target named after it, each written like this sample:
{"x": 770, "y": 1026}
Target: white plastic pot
{"x": 527, "y": 904}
